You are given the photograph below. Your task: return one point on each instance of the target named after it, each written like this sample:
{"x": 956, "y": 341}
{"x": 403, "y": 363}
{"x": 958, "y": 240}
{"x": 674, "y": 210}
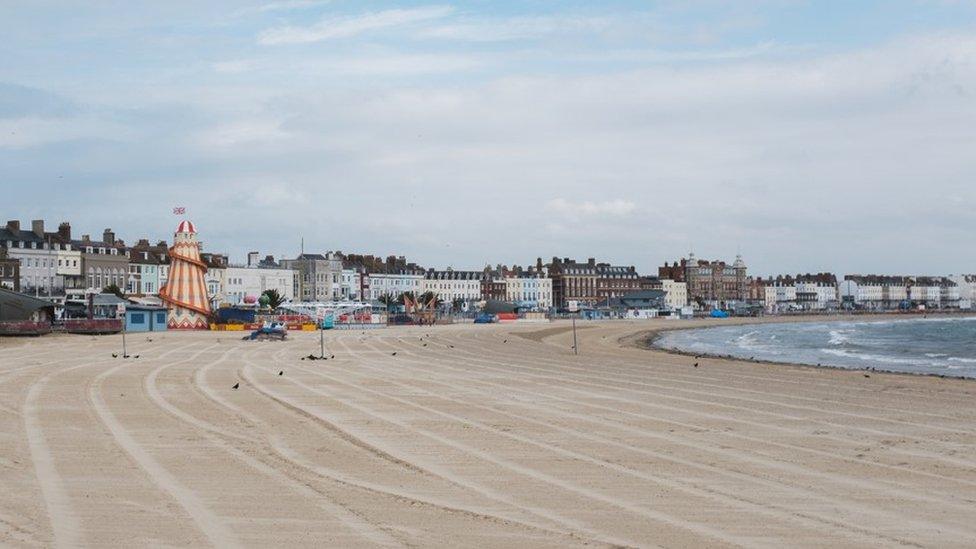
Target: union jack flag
{"x": 179, "y": 210}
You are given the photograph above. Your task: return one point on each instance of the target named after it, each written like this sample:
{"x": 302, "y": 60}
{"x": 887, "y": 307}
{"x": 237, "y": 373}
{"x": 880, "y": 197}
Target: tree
{"x": 113, "y": 288}
{"x": 426, "y": 298}
{"x": 275, "y": 299}
{"x": 387, "y": 299}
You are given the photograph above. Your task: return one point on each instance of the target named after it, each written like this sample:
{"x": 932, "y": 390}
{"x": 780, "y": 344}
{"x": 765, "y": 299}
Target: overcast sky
{"x": 823, "y": 135}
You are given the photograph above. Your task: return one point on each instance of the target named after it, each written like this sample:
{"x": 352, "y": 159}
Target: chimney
{"x": 86, "y": 238}
{"x": 13, "y": 226}
{"x": 37, "y": 227}
{"x": 64, "y": 231}
{"x": 108, "y": 237}
{"x": 591, "y": 262}
{"x": 252, "y": 259}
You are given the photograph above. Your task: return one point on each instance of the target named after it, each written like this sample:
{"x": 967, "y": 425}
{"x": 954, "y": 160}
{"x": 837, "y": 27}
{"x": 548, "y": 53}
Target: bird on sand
{"x": 696, "y": 365}
{"x": 394, "y": 353}
{"x": 136, "y": 356}
{"x": 236, "y": 385}
{"x": 281, "y": 372}
{"x": 425, "y": 345}
{"x": 450, "y": 346}
{"x": 332, "y": 356}
{"x": 867, "y": 375}
{"x": 115, "y": 355}
{"x": 506, "y": 341}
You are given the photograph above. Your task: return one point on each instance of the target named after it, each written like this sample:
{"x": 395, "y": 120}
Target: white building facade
{"x": 675, "y": 294}
{"x": 451, "y": 285}
{"x": 393, "y": 284}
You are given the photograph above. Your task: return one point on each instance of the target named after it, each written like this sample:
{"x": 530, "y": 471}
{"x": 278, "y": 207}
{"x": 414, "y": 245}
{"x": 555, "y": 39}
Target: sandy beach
{"x": 494, "y": 436}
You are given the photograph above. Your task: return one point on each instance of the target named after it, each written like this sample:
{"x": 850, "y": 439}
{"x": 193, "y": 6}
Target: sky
{"x": 834, "y": 135}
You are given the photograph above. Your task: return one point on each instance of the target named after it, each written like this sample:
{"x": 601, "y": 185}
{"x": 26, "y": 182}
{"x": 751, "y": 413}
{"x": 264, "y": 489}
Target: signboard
{"x": 120, "y": 310}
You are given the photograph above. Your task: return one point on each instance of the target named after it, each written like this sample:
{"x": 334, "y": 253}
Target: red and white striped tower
{"x": 185, "y": 292}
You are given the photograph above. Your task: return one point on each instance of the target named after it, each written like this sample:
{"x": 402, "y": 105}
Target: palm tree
{"x": 387, "y": 299}
{"x": 275, "y": 299}
{"x": 427, "y": 296}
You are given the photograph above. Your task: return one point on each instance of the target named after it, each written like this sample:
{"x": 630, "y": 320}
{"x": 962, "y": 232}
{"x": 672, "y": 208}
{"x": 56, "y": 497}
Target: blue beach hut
{"x": 145, "y": 318}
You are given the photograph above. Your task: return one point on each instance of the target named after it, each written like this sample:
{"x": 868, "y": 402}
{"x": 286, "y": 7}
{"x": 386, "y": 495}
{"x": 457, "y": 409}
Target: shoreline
{"x": 647, "y": 340}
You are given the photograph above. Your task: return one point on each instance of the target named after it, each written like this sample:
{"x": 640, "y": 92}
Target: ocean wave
{"x": 870, "y": 357}
{"x": 839, "y": 337}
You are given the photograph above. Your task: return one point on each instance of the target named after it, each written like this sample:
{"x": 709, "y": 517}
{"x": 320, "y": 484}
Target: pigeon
{"x": 867, "y": 375}
{"x": 425, "y": 344}
{"x": 451, "y": 346}
{"x": 394, "y": 353}
{"x": 332, "y": 356}
{"x": 236, "y": 385}
{"x": 506, "y": 341}
{"x": 696, "y": 365}
{"x": 125, "y": 356}
{"x": 115, "y": 355}
{"x": 137, "y": 356}
{"x": 281, "y": 372}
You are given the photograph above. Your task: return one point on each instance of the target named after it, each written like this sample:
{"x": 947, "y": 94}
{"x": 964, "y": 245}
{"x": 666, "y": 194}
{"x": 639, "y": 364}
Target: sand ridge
{"x": 473, "y": 436}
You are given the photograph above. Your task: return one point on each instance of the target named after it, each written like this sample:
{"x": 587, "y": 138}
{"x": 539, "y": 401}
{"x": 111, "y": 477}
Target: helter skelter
{"x": 185, "y": 292}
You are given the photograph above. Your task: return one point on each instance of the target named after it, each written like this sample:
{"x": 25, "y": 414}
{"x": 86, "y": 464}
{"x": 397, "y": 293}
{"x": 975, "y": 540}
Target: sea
{"x": 934, "y": 346}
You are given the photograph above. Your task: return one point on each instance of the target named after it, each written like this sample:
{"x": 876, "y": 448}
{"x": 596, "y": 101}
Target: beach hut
{"x": 145, "y": 318}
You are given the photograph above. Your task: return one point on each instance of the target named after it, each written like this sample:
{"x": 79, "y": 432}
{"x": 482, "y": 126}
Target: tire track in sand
{"x": 210, "y": 524}
{"x": 702, "y": 530}
{"x": 222, "y": 439}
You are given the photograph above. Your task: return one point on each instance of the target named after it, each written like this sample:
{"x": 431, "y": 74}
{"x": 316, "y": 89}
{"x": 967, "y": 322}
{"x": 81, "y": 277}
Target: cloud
{"x": 515, "y": 28}
{"x": 345, "y": 27}
{"x": 283, "y": 5}
{"x": 20, "y": 101}
{"x": 609, "y": 208}
{"x": 235, "y": 66}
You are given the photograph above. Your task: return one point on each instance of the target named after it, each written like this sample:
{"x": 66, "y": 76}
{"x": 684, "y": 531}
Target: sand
{"x": 494, "y": 436}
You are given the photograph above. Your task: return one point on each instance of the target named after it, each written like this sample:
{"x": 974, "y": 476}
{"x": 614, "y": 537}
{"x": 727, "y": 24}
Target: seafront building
{"x": 886, "y": 293}
{"x": 105, "y": 261}
{"x": 458, "y": 287}
{"x": 710, "y": 284}
{"x": 318, "y": 276}
{"x": 393, "y": 285}
{"x": 574, "y": 284}
{"x": 245, "y": 283}
{"x": 37, "y": 256}
{"x": 613, "y": 281}
{"x": 9, "y": 271}
{"x": 803, "y": 292}
{"x": 966, "y": 285}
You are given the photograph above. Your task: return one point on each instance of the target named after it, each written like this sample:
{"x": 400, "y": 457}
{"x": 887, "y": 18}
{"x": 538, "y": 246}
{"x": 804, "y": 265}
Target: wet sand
{"x": 493, "y": 436}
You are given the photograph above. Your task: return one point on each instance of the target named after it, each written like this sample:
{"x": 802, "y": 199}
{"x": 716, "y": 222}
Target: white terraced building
{"x": 393, "y": 284}
{"x": 451, "y": 285}
{"x": 529, "y": 289}
{"x": 675, "y": 294}
{"x": 255, "y": 278}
